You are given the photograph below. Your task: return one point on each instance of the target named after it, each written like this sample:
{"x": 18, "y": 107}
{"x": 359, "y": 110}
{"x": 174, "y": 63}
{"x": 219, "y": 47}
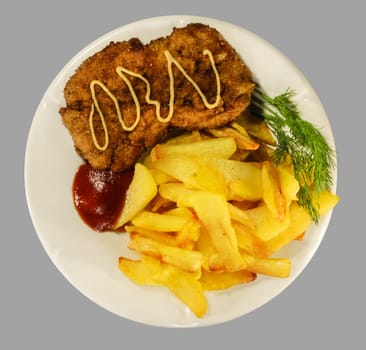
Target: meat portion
{"x": 186, "y": 45}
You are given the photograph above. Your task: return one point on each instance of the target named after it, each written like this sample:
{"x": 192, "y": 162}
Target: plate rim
{"x": 74, "y": 62}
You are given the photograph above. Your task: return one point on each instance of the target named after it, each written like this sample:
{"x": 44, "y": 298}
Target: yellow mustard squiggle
{"x": 121, "y": 71}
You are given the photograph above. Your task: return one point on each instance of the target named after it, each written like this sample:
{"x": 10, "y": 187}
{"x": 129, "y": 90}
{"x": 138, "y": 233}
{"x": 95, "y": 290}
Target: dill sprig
{"x": 312, "y": 158}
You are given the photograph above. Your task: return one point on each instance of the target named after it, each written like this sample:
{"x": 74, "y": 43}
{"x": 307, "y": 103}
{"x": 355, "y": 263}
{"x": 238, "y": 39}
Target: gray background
{"x": 325, "y": 306}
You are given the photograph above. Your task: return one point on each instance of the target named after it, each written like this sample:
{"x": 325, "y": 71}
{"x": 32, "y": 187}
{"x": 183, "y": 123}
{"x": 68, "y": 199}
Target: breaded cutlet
{"x": 186, "y": 45}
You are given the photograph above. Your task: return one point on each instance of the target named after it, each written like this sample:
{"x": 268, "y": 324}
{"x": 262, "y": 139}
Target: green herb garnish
{"x": 312, "y": 158}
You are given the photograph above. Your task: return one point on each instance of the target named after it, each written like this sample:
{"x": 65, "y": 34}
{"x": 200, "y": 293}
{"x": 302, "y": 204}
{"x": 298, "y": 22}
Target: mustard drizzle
{"x": 121, "y": 71}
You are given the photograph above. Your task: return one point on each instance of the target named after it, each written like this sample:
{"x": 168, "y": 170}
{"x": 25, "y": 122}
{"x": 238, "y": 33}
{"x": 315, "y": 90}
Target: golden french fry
{"x": 159, "y": 176}
{"x": 147, "y": 271}
{"x": 186, "y": 260}
{"x": 272, "y": 195}
{"x": 276, "y": 267}
{"x": 179, "y": 220}
{"x": 240, "y": 215}
{"x": 288, "y": 183}
{"x": 186, "y": 287}
{"x": 244, "y": 191}
{"x": 265, "y": 225}
{"x": 211, "y": 258}
{"x": 250, "y": 242}
{"x": 215, "y": 147}
{"x": 178, "y": 193}
{"x": 256, "y": 127}
{"x": 159, "y": 222}
{"x": 191, "y": 229}
{"x": 193, "y": 172}
{"x": 241, "y": 137}
{"x": 300, "y": 220}
{"x": 162, "y": 237}
{"x": 181, "y": 211}
{"x": 225, "y": 280}
{"x": 327, "y": 200}
{"x": 189, "y": 233}
{"x": 242, "y": 178}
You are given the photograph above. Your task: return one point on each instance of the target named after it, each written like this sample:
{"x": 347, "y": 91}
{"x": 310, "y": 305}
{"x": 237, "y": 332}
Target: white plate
{"x": 89, "y": 259}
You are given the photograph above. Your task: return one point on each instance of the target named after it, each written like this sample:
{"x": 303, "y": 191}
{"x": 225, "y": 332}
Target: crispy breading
{"x": 186, "y": 45}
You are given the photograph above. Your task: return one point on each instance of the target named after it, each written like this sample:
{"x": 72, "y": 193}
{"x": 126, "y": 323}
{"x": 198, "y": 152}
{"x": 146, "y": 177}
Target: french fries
{"x": 214, "y": 221}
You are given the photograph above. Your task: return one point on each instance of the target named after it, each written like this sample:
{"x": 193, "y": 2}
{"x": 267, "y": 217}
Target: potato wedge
{"x": 181, "y": 211}
{"x": 147, "y": 271}
{"x": 192, "y": 172}
{"x": 272, "y": 195}
{"x": 211, "y": 259}
{"x": 178, "y": 193}
{"x": 215, "y": 147}
{"x": 241, "y": 190}
{"x": 150, "y": 271}
{"x": 225, "y": 280}
{"x": 191, "y": 229}
{"x": 160, "y": 177}
{"x": 140, "y": 192}
{"x": 276, "y": 267}
{"x": 300, "y": 220}
{"x": 265, "y": 225}
{"x": 162, "y": 237}
{"x": 240, "y": 215}
{"x": 250, "y": 242}
{"x": 327, "y": 201}
{"x": 242, "y": 178}
{"x": 213, "y": 211}
{"x": 189, "y": 233}
{"x": 159, "y": 222}
{"x": 241, "y": 137}
{"x": 288, "y": 183}
{"x": 188, "y": 290}
{"x": 186, "y": 260}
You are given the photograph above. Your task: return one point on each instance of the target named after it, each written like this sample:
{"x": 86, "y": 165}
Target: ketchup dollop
{"x": 99, "y": 196}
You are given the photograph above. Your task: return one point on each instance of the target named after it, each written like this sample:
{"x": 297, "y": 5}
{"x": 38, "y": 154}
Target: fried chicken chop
{"x": 186, "y": 45}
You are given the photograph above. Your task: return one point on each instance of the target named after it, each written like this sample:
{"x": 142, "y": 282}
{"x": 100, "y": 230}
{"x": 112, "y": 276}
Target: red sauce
{"x": 99, "y": 196}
